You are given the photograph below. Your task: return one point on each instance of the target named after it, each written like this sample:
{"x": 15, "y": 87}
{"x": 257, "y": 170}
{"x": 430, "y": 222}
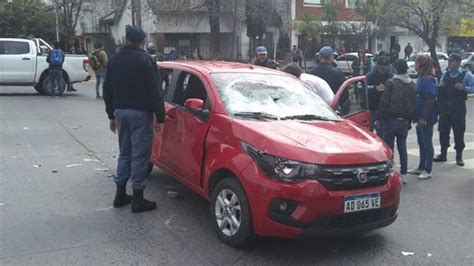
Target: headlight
{"x": 280, "y": 168}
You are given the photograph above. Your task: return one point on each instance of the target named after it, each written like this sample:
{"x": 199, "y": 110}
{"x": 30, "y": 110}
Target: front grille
{"x": 346, "y": 178}
{"x": 353, "y": 219}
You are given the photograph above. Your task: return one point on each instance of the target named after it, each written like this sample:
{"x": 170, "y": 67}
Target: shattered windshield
{"x": 280, "y": 97}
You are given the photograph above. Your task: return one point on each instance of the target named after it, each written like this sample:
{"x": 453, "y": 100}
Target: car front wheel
{"x": 230, "y": 212}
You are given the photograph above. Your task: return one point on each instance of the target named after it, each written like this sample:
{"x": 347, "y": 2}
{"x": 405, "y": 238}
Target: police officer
{"x": 132, "y": 94}
{"x": 261, "y": 58}
{"x": 455, "y": 84}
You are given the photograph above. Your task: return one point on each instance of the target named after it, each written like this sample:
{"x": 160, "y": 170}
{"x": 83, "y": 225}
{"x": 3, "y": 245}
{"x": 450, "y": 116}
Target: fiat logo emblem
{"x": 362, "y": 177}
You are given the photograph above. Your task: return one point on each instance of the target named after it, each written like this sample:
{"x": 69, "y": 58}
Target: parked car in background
{"x": 344, "y": 62}
{"x": 271, "y": 156}
{"x": 467, "y": 61}
{"x": 442, "y": 58}
{"x": 23, "y": 63}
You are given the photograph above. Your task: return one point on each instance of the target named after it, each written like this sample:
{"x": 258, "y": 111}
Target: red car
{"x": 271, "y": 156}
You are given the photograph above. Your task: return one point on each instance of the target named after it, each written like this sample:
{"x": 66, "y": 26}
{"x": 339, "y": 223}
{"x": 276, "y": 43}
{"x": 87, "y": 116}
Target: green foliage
{"x": 283, "y": 46}
{"x": 26, "y": 19}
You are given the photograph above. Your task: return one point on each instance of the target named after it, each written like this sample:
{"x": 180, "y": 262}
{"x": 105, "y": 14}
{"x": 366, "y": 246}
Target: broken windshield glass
{"x": 279, "y": 96}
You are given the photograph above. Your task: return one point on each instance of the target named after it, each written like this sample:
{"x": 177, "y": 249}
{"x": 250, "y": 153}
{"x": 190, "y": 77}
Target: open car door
{"x": 351, "y": 101}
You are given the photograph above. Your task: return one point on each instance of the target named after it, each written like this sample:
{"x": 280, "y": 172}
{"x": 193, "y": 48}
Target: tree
{"x": 375, "y": 22}
{"x": 69, "y": 12}
{"x": 311, "y": 28}
{"x": 260, "y": 14}
{"x": 26, "y": 19}
{"x": 427, "y": 19}
{"x": 214, "y": 11}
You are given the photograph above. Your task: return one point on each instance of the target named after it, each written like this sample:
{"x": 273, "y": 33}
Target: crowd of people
{"x": 396, "y": 102}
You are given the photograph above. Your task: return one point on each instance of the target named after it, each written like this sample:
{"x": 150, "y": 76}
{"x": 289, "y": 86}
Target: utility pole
{"x": 57, "y": 22}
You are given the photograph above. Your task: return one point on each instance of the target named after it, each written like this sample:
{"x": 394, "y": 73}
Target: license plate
{"x": 361, "y": 202}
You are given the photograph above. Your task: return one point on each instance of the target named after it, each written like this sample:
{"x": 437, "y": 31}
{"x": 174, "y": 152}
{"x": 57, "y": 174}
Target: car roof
{"x": 219, "y": 67}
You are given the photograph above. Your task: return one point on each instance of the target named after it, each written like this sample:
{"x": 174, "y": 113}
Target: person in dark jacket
{"x": 397, "y": 109}
{"x": 455, "y": 84}
{"x": 132, "y": 94}
{"x": 333, "y": 76}
{"x": 408, "y": 51}
{"x": 55, "y": 60}
{"x": 261, "y": 58}
{"x": 362, "y": 65}
{"x": 426, "y": 115}
{"x": 376, "y": 85}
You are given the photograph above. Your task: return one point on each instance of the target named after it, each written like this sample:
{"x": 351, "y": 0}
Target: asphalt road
{"x": 67, "y": 217}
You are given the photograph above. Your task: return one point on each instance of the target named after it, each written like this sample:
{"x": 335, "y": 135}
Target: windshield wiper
{"x": 257, "y": 115}
{"x": 307, "y": 117}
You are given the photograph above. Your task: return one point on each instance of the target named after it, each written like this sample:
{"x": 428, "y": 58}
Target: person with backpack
{"x": 397, "y": 109}
{"x": 455, "y": 84}
{"x": 55, "y": 59}
{"x": 98, "y": 62}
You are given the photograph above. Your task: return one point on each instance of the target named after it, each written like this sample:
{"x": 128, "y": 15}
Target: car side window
{"x": 1, "y": 47}
{"x": 16, "y": 47}
{"x": 189, "y": 86}
{"x": 354, "y": 99}
{"x": 166, "y": 75}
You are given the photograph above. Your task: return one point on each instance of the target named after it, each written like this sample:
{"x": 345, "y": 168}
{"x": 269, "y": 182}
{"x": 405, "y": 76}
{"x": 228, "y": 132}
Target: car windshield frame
{"x": 280, "y": 96}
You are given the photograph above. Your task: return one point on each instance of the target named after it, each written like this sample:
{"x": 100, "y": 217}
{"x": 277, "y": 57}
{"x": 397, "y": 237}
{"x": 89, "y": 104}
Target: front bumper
{"x": 318, "y": 211}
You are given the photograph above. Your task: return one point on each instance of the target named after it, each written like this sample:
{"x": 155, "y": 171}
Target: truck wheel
{"x": 39, "y": 89}
{"x": 230, "y": 213}
{"x": 45, "y": 84}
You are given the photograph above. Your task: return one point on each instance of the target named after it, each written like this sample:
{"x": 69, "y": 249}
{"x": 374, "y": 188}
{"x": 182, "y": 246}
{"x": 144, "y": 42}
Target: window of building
{"x": 313, "y": 2}
{"x": 351, "y": 3}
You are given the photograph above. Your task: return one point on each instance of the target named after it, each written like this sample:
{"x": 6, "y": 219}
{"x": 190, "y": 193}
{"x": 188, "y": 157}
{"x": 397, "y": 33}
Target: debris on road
{"x": 2, "y": 204}
{"x": 110, "y": 176}
{"x": 406, "y": 253}
{"x": 19, "y": 144}
{"x": 101, "y": 169}
{"x": 429, "y": 255}
{"x": 174, "y": 195}
{"x": 90, "y": 160}
{"x": 25, "y": 128}
{"x": 73, "y": 165}
{"x": 55, "y": 171}
{"x": 37, "y": 165}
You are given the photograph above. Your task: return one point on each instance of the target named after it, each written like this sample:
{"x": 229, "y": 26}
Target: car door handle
{"x": 26, "y": 58}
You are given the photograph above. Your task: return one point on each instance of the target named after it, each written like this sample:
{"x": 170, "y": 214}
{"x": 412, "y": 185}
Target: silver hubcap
{"x": 228, "y": 212}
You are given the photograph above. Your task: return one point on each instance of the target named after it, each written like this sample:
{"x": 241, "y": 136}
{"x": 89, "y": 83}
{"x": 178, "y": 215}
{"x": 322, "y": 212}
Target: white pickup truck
{"x": 23, "y": 63}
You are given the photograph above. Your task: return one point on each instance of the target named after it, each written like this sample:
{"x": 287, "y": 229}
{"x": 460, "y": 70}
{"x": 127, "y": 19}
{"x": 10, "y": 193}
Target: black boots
{"x": 441, "y": 158}
{"x": 121, "y": 197}
{"x": 139, "y": 204}
{"x": 459, "y": 160}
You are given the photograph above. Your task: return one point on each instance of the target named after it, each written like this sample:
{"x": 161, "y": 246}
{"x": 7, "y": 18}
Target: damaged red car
{"x": 271, "y": 156}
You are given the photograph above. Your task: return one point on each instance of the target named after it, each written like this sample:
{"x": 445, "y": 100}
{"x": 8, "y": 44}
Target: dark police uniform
{"x": 452, "y": 108}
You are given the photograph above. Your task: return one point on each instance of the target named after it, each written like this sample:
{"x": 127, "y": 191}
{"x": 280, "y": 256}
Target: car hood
{"x": 320, "y": 142}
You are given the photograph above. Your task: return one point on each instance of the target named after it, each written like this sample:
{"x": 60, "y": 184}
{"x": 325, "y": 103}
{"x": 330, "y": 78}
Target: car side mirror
{"x": 194, "y": 104}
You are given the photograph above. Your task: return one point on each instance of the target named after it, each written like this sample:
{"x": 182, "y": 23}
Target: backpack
{"x": 94, "y": 61}
{"x": 56, "y": 57}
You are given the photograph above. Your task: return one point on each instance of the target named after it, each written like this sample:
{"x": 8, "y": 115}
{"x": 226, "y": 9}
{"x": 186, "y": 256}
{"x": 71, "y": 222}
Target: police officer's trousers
{"x": 454, "y": 117}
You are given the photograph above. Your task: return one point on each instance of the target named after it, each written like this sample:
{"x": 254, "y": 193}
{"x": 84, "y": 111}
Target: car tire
{"x": 238, "y": 210}
{"x": 39, "y": 89}
{"x": 149, "y": 169}
{"x": 45, "y": 85}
